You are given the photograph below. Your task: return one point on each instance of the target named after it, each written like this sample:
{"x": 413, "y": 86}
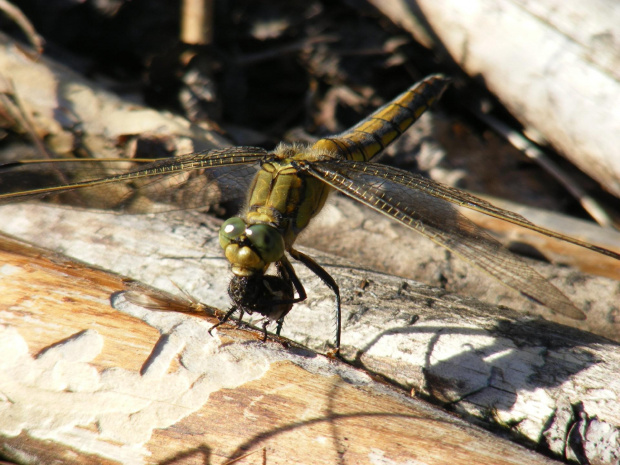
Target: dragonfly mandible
{"x": 291, "y": 186}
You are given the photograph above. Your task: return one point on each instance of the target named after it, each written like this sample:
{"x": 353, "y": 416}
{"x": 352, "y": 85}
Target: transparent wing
{"x": 196, "y": 180}
{"x": 428, "y": 208}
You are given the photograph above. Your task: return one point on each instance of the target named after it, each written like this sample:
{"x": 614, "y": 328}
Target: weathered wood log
{"x": 553, "y": 64}
{"x": 554, "y": 386}
{"x": 83, "y": 382}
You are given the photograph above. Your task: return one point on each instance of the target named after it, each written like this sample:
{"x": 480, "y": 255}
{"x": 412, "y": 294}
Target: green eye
{"x": 231, "y": 229}
{"x": 267, "y": 241}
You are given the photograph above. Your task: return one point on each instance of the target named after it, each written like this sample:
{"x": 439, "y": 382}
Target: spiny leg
{"x": 286, "y": 272}
{"x": 265, "y": 323}
{"x": 329, "y": 281}
{"x": 279, "y": 324}
{"x": 229, "y": 313}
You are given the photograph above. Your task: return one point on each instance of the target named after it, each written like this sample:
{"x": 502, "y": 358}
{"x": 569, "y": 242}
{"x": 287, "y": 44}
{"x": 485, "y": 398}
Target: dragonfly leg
{"x": 229, "y": 313}
{"x": 279, "y": 326}
{"x": 265, "y": 323}
{"x": 329, "y": 281}
{"x": 287, "y": 273}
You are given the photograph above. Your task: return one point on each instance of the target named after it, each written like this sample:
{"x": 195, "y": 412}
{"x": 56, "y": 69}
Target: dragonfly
{"x": 289, "y": 187}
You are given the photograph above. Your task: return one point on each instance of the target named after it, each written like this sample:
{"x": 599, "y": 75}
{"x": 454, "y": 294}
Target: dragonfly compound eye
{"x": 267, "y": 241}
{"x": 230, "y": 230}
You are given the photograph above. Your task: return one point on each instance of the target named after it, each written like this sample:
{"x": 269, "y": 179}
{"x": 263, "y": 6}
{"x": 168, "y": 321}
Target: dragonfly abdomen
{"x": 371, "y": 135}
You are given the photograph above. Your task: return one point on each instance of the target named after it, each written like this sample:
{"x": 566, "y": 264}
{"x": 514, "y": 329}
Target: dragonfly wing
{"x": 434, "y": 216}
{"x": 191, "y": 181}
{"x": 460, "y": 198}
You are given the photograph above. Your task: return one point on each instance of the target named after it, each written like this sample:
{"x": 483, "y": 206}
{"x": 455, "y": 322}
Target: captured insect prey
{"x": 289, "y": 186}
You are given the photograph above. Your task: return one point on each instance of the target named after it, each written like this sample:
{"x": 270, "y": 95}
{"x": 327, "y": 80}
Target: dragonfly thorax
{"x": 285, "y": 197}
{"x": 250, "y": 249}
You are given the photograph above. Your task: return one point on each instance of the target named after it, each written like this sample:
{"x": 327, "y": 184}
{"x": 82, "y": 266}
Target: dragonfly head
{"x": 250, "y": 249}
